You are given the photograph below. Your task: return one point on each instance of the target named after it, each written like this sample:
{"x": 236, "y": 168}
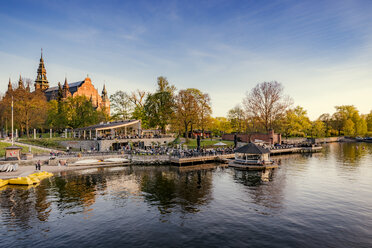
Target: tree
{"x": 369, "y": 121}
{"x": 296, "y": 122}
{"x": 347, "y": 118}
{"x": 159, "y": 106}
{"x": 267, "y": 103}
{"x": 327, "y": 120}
{"x": 187, "y": 108}
{"x": 138, "y": 99}
{"x": 30, "y": 108}
{"x": 318, "y": 129}
{"x": 349, "y": 127}
{"x": 205, "y": 111}
{"x": 219, "y": 126}
{"x": 236, "y": 118}
{"x": 122, "y": 105}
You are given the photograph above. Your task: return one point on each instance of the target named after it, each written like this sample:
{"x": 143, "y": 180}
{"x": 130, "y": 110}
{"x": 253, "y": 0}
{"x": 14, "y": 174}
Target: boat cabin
{"x": 252, "y": 154}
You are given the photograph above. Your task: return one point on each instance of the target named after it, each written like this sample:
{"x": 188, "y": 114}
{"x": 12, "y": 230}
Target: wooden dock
{"x": 253, "y": 167}
{"x": 200, "y": 159}
{"x": 296, "y": 150}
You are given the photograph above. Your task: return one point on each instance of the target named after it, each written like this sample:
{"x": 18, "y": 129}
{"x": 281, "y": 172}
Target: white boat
{"x": 86, "y": 161}
{"x": 117, "y": 160}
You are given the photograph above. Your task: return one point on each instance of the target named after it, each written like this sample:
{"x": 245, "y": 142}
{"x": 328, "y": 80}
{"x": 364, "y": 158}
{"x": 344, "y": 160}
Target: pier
{"x": 200, "y": 159}
{"x": 295, "y": 150}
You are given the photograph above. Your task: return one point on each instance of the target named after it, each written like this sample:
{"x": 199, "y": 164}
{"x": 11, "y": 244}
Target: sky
{"x": 321, "y": 51}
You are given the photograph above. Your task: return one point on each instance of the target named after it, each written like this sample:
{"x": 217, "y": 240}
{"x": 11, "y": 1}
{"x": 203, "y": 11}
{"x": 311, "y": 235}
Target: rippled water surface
{"x": 319, "y": 200}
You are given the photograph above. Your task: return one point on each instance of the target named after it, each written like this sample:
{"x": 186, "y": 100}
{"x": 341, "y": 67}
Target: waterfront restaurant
{"x": 127, "y": 129}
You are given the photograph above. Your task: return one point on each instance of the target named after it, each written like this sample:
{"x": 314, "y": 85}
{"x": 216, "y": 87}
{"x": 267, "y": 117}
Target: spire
{"x": 28, "y": 87}
{"x": 41, "y": 81}
{"x": 20, "y": 83}
{"x": 10, "y": 88}
{"x": 65, "y": 85}
{"x": 66, "y": 90}
{"x": 104, "y": 93}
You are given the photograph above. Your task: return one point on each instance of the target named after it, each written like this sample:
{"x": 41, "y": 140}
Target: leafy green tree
{"x": 236, "y": 118}
{"x": 349, "y": 129}
{"x": 296, "y": 123}
{"x": 187, "y": 108}
{"x": 318, "y": 129}
{"x": 159, "y": 106}
{"x": 369, "y": 121}
{"x": 327, "y": 120}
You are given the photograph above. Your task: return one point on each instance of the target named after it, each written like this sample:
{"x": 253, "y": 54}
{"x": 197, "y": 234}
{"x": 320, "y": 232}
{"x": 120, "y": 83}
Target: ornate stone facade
{"x": 81, "y": 88}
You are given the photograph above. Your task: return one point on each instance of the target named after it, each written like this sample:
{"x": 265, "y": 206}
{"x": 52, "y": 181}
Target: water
{"x": 319, "y": 200}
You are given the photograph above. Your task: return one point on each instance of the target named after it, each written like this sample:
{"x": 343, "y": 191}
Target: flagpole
{"x": 12, "y": 124}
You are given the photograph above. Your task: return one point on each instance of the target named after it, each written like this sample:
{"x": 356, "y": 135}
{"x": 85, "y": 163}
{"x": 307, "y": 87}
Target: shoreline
{"x": 25, "y": 170}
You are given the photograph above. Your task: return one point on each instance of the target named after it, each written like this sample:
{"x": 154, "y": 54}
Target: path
{"x": 32, "y": 146}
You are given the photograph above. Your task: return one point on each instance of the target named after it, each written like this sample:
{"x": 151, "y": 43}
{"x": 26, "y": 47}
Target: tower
{"x": 41, "y": 82}
{"x": 105, "y": 105}
{"x": 66, "y": 90}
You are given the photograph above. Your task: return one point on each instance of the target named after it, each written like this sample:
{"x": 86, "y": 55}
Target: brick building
{"x": 270, "y": 137}
{"x": 80, "y": 88}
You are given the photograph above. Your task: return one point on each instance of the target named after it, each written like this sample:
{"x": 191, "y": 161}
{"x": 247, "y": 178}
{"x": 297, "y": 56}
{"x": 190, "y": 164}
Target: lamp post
{"x": 12, "y": 124}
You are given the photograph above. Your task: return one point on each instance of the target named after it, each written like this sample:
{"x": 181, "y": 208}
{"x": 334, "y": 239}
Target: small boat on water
{"x": 252, "y": 157}
{"x": 117, "y": 160}
{"x": 107, "y": 161}
{"x": 87, "y": 161}
{"x": 3, "y": 182}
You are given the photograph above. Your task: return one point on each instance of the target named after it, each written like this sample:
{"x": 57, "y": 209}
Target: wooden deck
{"x": 253, "y": 167}
{"x": 296, "y": 150}
{"x": 201, "y": 159}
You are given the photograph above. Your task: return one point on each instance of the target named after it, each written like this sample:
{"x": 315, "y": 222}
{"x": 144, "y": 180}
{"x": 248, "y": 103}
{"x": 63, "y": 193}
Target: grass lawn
{"x": 207, "y": 143}
{"x": 47, "y": 143}
{"x": 24, "y": 149}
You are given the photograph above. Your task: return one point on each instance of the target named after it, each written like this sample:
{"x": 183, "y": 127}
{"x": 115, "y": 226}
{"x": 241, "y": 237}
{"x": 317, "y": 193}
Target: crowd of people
{"x": 180, "y": 153}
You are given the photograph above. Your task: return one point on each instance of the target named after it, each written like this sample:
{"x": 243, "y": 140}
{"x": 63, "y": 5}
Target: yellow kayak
{"x": 3, "y": 182}
{"x": 34, "y": 179}
{"x": 42, "y": 175}
{"x": 21, "y": 181}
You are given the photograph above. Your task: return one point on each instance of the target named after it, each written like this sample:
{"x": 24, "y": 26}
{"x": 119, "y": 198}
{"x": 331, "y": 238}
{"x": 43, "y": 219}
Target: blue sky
{"x": 321, "y": 51}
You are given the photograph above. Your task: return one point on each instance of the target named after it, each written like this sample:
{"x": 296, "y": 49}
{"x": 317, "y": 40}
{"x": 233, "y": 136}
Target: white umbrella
{"x": 220, "y": 144}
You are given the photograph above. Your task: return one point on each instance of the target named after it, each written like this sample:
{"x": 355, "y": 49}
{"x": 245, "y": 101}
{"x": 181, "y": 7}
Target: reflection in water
{"x": 253, "y": 178}
{"x": 310, "y": 197}
{"x": 263, "y": 189}
{"x": 350, "y": 153}
{"x": 20, "y": 204}
{"x": 172, "y": 188}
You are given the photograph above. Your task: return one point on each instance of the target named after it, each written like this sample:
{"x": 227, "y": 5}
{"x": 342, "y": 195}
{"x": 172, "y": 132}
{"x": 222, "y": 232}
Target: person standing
{"x": 38, "y": 165}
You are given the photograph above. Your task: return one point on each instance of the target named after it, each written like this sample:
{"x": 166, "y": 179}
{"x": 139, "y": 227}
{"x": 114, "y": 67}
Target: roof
{"x": 75, "y": 86}
{"x": 252, "y": 148}
{"x": 109, "y": 125}
{"x": 13, "y": 147}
